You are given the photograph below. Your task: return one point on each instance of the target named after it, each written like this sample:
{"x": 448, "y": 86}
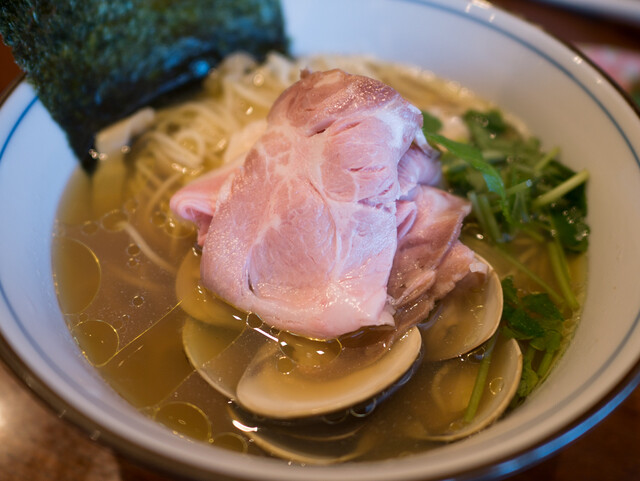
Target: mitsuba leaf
{"x": 570, "y": 228}
{"x": 489, "y": 131}
{"x": 519, "y": 172}
{"x": 430, "y": 123}
{"x": 550, "y": 342}
{"x": 542, "y": 305}
{"x": 533, "y": 317}
{"x": 523, "y": 325}
{"x": 484, "y": 127}
{"x": 509, "y": 292}
{"x": 473, "y": 157}
{"x": 528, "y": 381}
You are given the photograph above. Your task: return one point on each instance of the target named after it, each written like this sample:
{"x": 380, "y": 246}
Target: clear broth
{"x": 121, "y": 307}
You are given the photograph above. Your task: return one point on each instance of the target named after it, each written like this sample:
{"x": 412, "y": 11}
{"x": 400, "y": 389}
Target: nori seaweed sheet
{"x": 95, "y": 61}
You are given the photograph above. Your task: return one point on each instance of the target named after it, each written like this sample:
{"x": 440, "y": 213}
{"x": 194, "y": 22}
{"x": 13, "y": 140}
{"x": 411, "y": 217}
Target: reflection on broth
{"x": 128, "y": 281}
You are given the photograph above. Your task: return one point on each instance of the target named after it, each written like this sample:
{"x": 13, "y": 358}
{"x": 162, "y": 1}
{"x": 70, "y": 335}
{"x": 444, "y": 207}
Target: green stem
{"x": 490, "y": 218}
{"x": 481, "y": 380}
{"x": 492, "y": 156}
{"x": 560, "y": 190}
{"x": 553, "y": 153}
{"x": 523, "y": 168}
{"x": 534, "y": 234}
{"x": 545, "y": 364}
{"x": 532, "y": 275}
{"x": 522, "y": 186}
{"x": 560, "y": 269}
{"x": 475, "y": 206}
{"x": 529, "y": 354}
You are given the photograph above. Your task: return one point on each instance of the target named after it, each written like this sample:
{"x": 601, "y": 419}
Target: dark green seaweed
{"x": 94, "y": 61}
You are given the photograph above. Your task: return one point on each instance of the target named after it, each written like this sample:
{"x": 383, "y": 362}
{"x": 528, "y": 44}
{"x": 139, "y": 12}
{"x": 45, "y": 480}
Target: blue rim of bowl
{"x": 495, "y": 469}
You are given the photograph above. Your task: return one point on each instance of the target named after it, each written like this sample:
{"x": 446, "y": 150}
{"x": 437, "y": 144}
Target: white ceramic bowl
{"x": 552, "y": 88}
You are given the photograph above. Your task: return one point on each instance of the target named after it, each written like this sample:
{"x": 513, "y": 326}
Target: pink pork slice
{"x": 314, "y": 231}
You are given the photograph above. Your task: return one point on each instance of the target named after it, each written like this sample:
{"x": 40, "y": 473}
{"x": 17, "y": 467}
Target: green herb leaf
{"x": 526, "y": 189}
{"x": 523, "y": 325}
{"x": 528, "y": 381}
{"x": 536, "y": 322}
{"x": 542, "y": 305}
{"x": 509, "y": 291}
{"x": 571, "y": 228}
{"x": 430, "y": 123}
{"x": 473, "y": 156}
{"x": 550, "y": 342}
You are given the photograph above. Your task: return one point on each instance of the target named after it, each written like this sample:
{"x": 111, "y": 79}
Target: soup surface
{"x": 127, "y": 275}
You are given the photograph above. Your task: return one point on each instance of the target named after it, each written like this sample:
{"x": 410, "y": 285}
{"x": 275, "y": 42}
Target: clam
{"x": 285, "y": 379}
{"x": 220, "y": 356}
{"x": 467, "y": 317}
{"x": 199, "y": 302}
{"x": 268, "y": 389}
{"x": 253, "y": 370}
{"x": 318, "y": 443}
{"x": 443, "y": 406}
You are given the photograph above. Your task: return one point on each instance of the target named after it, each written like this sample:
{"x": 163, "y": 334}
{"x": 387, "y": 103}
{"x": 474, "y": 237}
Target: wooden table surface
{"x": 37, "y": 446}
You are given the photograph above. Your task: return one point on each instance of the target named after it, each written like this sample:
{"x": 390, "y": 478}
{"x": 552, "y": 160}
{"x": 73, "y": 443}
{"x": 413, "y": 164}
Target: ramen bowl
{"x": 559, "y": 95}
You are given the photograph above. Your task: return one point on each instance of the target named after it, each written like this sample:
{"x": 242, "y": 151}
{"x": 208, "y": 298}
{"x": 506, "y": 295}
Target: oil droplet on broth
{"x": 284, "y": 365}
{"x": 133, "y": 249}
{"x": 137, "y": 301}
{"x": 99, "y": 340}
{"x": 231, "y": 441}
{"x": 185, "y": 419}
{"x": 158, "y": 218}
{"x": 306, "y": 352}
{"x": 74, "y": 264}
{"x": 118, "y": 322}
{"x": 90, "y": 227}
{"x": 130, "y": 205}
{"x": 112, "y": 221}
{"x": 178, "y": 229}
{"x": 254, "y": 322}
{"x": 133, "y": 262}
{"x": 496, "y": 385}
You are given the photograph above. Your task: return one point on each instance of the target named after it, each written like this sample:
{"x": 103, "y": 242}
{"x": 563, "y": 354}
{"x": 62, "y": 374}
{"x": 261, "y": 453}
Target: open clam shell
{"x": 443, "y": 403}
{"x": 219, "y": 354}
{"x": 200, "y": 303}
{"x": 467, "y": 317}
{"x": 249, "y": 366}
{"x": 315, "y": 444}
{"x": 268, "y": 390}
